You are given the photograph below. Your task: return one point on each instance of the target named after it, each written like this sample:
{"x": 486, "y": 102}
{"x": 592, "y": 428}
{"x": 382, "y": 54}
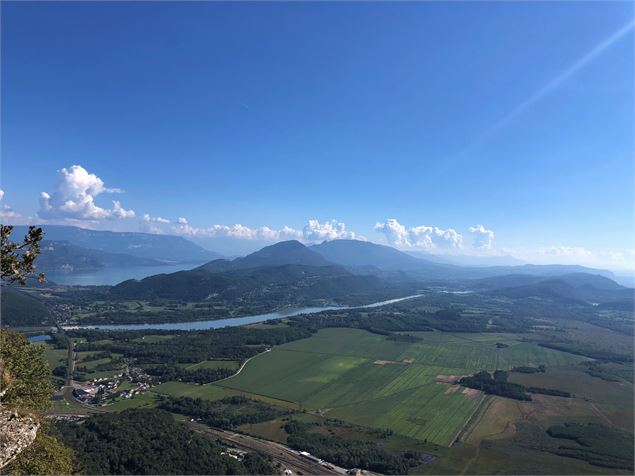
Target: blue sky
{"x": 274, "y": 114}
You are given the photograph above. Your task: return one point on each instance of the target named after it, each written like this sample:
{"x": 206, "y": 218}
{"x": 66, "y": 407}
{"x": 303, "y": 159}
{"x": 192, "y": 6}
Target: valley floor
{"x": 368, "y": 381}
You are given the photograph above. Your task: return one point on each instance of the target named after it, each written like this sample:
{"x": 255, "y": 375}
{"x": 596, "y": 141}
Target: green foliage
{"x": 609, "y": 371}
{"x": 227, "y": 413}
{"x": 596, "y": 444}
{"x": 269, "y": 287}
{"x": 232, "y": 343}
{"x": 200, "y": 376}
{"x": 26, "y": 379}
{"x": 495, "y": 386}
{"x": 26, "y": 376}
{"x": 21, "y": 309}
{"x": 348, "y": 453}
{"x": 501, "y": 376}
{"x": 529, "y": 370}
{"x": 148, "y": 442}
{"x": 46, "y": 455}
{"x": 60, "y": 371}
{"x": 587, "y": 351}
{"x": 410, "y": 339}
{"x": 498, "y": 385}
{"x": 549, "y": 391}
{"x": 18, "y": 259}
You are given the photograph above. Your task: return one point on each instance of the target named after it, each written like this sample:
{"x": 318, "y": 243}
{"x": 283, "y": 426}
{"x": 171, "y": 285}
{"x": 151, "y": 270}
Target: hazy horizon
{"x": 240, "y": 125}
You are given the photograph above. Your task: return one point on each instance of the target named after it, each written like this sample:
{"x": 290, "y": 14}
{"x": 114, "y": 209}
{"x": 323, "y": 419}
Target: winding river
{"x": 236, "y": 321}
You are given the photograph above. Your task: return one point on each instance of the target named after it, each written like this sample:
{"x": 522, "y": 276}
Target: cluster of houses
{"x": 105, "y": 388}
{"x": 141, "y": 387}
{"x": 86, "y": 393}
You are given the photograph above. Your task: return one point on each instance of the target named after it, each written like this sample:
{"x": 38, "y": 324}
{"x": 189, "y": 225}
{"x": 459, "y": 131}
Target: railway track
{"x": 288, "y": 458}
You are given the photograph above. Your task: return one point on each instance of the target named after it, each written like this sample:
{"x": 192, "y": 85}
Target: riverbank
{"x": 236, "y": 321}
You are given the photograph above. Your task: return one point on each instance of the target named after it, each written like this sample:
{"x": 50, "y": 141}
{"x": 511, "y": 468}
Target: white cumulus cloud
{"x": 330, "y": 230}
{"x": 74, "y": 198}
{"x": 150, "y": 219}
{"x": 152, "y": 224}
{"x": 421, "y": 237}
{"x": 313, "y": 231}
{"x": 482, "y": 238}
{"x": 566, "y": 251}
{"x": 7, "y": 214}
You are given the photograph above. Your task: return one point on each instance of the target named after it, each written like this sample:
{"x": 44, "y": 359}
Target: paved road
{"x": 288, "y": 458}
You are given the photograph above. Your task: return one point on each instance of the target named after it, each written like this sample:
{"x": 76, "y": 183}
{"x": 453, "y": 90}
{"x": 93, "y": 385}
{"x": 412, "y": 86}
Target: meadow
{"x": 367, "y": 379}
{"x": 402, "y": 386}
{"x": 54, "y": 357}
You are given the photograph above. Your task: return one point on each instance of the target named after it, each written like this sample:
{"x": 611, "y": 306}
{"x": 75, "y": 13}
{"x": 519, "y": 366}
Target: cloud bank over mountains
{"x": 482, "y": 238}
{"x": 313, "y": 231}
{"x": 74, "y": 195}
{"x": 419, "y": 237}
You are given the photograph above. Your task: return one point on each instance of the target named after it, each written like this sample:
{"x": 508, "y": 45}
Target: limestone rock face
{"x": 16, "y": 434}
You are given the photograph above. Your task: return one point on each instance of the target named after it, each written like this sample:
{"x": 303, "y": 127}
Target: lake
{"x": 40, "y": 338}
{"x": 236, "y": 321}
{"x": 109, "y": 276}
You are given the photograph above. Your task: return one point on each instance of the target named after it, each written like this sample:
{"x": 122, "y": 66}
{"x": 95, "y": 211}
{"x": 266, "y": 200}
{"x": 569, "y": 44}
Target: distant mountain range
{"x": 63, "y": 256}
{"x": 283, "y": 253}
{"x": 589, "y": 288}
{"x": 287, "y": 273}
{"x": 72, "y": 249}
{"x": 466, "y": 260}
{"x": 290, "y": 270}
{"x": 364, "y": 255}
{"x": 355, "y": 253}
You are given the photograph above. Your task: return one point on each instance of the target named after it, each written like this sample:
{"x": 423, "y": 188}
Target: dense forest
{"x": 348, "y": 453}
{"x": 149, "y": 442}
{"x": 596, "y": 444}
{"x": 21, "y": 309}
{"x": 497, "y": 384}
{"x": 199, "y": 376}
{"x": 227, "y": 413}
{"x": 231, "y": 343}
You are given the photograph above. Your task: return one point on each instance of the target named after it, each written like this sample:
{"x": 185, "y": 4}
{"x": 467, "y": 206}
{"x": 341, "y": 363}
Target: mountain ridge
{"x": 165, "y": 248}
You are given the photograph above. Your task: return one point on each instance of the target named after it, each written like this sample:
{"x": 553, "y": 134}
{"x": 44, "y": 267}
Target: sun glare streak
{"x": 544, "y": 91}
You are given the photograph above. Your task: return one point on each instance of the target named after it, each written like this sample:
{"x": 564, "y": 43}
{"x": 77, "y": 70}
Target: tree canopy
{"x": 18, "y": 259}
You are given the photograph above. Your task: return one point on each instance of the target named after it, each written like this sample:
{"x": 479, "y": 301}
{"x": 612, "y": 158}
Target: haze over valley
{"x": 317, "y": 238}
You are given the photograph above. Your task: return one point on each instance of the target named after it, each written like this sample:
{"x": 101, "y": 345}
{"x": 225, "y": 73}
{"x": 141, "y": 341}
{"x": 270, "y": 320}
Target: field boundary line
{"x": 467, "y": 421}
{"x": 246, "y": 392}
{"x": 242, "y": 366}
{"x": 471, "y": 425}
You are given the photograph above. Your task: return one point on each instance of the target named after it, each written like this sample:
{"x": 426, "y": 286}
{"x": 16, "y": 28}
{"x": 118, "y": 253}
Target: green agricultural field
{"x": 611, "y": 402}
{"x": 214, "y": 392}
{"x": 145, "y": 400}
{"x": 339, "y": 372}
{"x": 54, "y": 357}
{"x": 181, "y": 389}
